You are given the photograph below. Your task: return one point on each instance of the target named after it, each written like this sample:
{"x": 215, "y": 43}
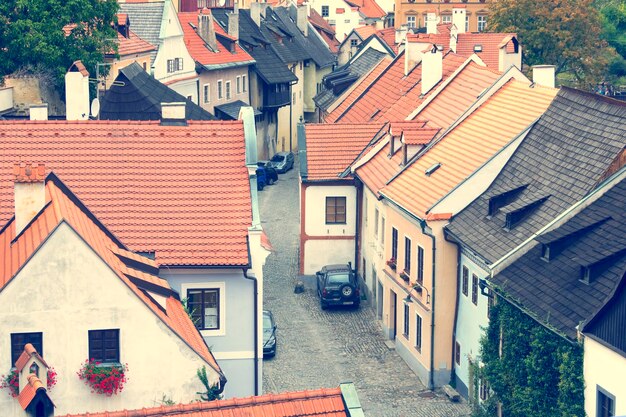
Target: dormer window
{"x": 503, "y": 199}
{"x": 478, "y": 48}
{"x": 515, "y": 217}
{"x": 545, "y": 252}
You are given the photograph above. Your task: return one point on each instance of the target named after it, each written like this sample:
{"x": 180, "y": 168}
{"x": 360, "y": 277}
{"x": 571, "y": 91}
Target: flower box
{"x": 12, "y": 382}
{"x": 391, "y": 263}
{"x": 103, "y": 378}
{"x": 405, "y": 276}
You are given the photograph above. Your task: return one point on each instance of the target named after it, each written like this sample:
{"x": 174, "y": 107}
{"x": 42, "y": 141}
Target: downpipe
{"x": 256, "y": 328}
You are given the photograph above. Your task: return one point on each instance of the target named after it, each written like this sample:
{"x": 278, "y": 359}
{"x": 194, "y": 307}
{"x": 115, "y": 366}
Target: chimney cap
{"x": 78, "y": 66}
{"x": 27, "y": 173}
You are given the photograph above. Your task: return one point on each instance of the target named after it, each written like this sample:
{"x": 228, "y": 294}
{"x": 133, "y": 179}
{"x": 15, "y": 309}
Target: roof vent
{"x": 432, "y": 169}
{"x": 504, "y": 199}
{"x": 478, "y": 48}
{"x": 518, "y": 214}
{"x": 592, "y": 270}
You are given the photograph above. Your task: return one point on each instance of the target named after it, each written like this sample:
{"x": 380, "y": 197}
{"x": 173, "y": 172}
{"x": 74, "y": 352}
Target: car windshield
{"x": 278, "y": 158}
{"x": 267, "y": 321}
{"x": 339, "y": 279}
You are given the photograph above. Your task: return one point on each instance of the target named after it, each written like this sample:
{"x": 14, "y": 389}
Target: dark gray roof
{"x": 141, "y": 96}
{"x": 231, "y": 110}
{"x": 283, "y": 36}
{"x": 338, "y": 81}
{"x": 552, "y": 290}
{"x": 561, "y": 160}
{"x": 145, "y": 19}
{"x": 317, "y": 50}
{"x": 268, "y": 64}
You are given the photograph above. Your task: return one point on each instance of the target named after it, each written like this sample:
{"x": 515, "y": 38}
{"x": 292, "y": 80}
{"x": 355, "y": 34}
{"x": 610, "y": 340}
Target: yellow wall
{"x": 141, "y": 59}
{"x": 420, "y": 7}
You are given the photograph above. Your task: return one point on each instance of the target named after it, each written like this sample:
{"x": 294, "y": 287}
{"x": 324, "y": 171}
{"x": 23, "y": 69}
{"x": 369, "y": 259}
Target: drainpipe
{"x": 431, "y": 376}
{"x": 456, "y": 305}
{"x": 256, "y": 327}
{"x": 357, "y": 243}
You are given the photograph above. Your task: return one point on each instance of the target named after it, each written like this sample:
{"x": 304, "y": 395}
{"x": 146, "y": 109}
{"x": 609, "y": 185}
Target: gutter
{"x": 456, "y": 304}
{"x": 431, "y": 374}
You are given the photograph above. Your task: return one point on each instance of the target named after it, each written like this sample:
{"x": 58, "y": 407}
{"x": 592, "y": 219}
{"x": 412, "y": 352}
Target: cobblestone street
{"x": 323, "y": 348}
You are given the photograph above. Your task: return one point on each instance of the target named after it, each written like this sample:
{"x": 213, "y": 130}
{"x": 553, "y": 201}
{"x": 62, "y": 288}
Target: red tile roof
{"x": 319, "y": 403}
{"x": 63, "y": 206}
{"x": 490, "y": 42}
{"x": 366, "y": 31}
{"x": 388, "y": 36}
{"x": 29, "y": 352}
{"x": 132, "y": 45}
{"x": 368, "y": 8}
{"x": 470, "y": 144}
{"x": 377, "y": 171}
{"x": 199, "y": 50}
{"x": 326, "y": 31}
{"x": 29, "y": 391}
{"x": 331, "y": 148}
{"x": 180, "y": 191}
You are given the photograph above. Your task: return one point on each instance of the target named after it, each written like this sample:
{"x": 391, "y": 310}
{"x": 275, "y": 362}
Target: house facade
{"x": 413, "y": 14}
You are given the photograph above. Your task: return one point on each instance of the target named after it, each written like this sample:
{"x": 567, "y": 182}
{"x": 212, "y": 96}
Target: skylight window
{"x": 432, "y": 169}
{"x": 478, "y": 48}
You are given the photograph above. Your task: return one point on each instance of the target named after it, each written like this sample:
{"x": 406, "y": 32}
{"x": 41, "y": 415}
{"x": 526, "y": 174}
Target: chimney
{"x": 544, "y": 75}
{"x": 233, "y": 23}
{"x": 412, "y": 54}
{"x": 432, "y": 68}
{"x": 255, "y": 13}
{"x": 454, "y": 34}
{"x": 206, "y": 30}
{"x": 29, "y": 193}
{"x": 303, "y": 19}
{"x": 458, "y": 18}
{"x": 77, "y": 92}
{"x": 401, "y": 34}
{"x": 39, "y": 111}
{"x": 431, "y": 22}
{"x": 173, "y": 113}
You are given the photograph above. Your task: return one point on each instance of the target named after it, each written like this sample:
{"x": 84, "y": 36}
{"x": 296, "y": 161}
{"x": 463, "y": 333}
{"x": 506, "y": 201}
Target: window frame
{"x": 103, "y": 358}
{"x": 407, "y": 322}
{"x": 221, "y": 286}
{"x": 474, "y": 289}
{"x": 446, "y": 18}
{"x": 238, "y": 83}
{"x": 411, "y": 21}
{"x": 244, "y": 83}
{"x": 457, "y": 352}
{"x": 418, "y": 332}
{"x": 220, "y": 89}
{"x": 420, "y": 264}
{"x": 481, "y": 20}
{"x": 382, "y": 231}
{"x": 376, "y": 215}
{"x": 465, "y": 280}
{"x": 354, "y": 43}
{"x": 601, "y": 393}
{"x": 37, "y": 344}
{"x": 228, "y": 90}
{"x": 394, "y": 243}
{"x": 335, "y": 214}
{"x": 206, "y": 92}
{"x": 407, "y": 254}
{"x": 325, "y": 11}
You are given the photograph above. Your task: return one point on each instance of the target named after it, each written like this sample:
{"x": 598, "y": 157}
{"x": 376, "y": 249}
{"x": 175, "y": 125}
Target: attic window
{"x": 503, "y": 199}
{"x": 439, "y": 47}
{"x": 432, "y": 169}
{"x": 515, "y": 217}
{"x": 478, "y": 48}
{"x": 591, "y": 271}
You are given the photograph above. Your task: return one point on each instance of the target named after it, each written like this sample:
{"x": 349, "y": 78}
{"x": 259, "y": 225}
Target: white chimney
{"x": 432, "y": 68}
{"x": 206, "y": 30}
{"x": 431, "y": 22}
{"x": 233, "y": 23}
{"x": 303, "y": 19}
{"x": 401, "y": 34}
{"x": 510, "y": 53}
{"x": 255, "y": 12}
{"x": 39, "y": 111}
{"x": 29, "y": 193}
{"x": 412, "y": 55}
{"x": 454, "y": 34}
{"x": 544, "y": 75}
{"x": 458, "y": 18}
{"x": 173, "y": 112}
{"x": 77, "y": 92}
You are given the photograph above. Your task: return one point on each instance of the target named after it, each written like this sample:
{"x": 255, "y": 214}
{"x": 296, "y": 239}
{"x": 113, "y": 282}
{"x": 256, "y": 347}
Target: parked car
{"x": 338, "y": 285}
{"x": 269, "y": 334}
{"x": 282, "y": 162}
{"x": 261, "y": 178}
{"x": 272, "y": 175}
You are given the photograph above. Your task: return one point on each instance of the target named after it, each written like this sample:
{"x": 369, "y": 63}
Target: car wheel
{"x": 259, "y": 187}
{"x": 323, "y": 305}
{"x": 346, "y": 291}
{"x": 270, "y": 181}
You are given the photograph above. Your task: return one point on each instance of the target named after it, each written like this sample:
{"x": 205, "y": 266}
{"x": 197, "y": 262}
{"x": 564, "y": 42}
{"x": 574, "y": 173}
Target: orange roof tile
{"x": 132, "y": 45}
{"x": 470, "y": 144}
{"x": 319, "y": 22}
{"x": 490, "y": 43}
{"x": 29, "y": 391}
{"x": 322, "y": 402}
{"x": 365, "y": 31}
{"x": 180, "y": 191}
{"x": 29, "y": 352}
{"x": 376, "y": 172}
{"x": 199, "y": 50}
{"x": 360, "y": 87}
{"x": 331, "y": 148}
{"x": 388, "y": 36}
{"x": 63, "y": 206}
{"x": 368, "y": 8}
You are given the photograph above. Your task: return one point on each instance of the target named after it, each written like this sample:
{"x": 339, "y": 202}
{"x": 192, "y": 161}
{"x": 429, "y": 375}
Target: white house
{"x": 157, "y": 23}
{"x": 74, "y": 292}
{"x": 346, "y": 15}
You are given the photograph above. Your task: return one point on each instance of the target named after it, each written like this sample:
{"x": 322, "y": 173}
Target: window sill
{"x": 211, "y": 333}
{"x": 109, "y": 365}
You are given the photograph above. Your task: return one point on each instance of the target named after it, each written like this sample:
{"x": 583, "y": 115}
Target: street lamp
{"x": 419, "y": 288}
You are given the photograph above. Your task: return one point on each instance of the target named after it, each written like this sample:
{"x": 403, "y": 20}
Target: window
{"x": 483, "y": 390}
{"x": 376, "y": 223}
{"x": 18, "y": 340}
{"x": 382, "y": 231}
{"x": 104, "y": 345}
{"x": 410, "y": 22}
{"x": 394, "y": 243}
{"x": 354, "y": 43}
{"x": 207, "y": 93}
{"x": 174, "y": 65}
{"x": 228, "y": 96}
{"x": 244, "y": 82}
{"x": 204, "y": 305}
{"x": 346, "y": 21}
{"x": 335, "y": 210}
{"x": 293, "y": 99}
{"x": 406, "y": 320}
{"x": 418, "y": 333}
{"x": 324, "y": 11}
{"x": 220, "y": 90}
{"x": 466, "y": 23}
{"x": 482, "y": 23}
{"x": 420, "y": 264}
{"x": 365, "y": 210}
{"x": 474, "y": 289}
{"x": 457, "y": 353}
{"x": 605, "y": 404}
{"x": 465, "y": 280}
{"x": 144, "y": 66}
{"x": 407, "y": 255}
{"x": 238, "y": 85}
{"x": 446, "y": 18}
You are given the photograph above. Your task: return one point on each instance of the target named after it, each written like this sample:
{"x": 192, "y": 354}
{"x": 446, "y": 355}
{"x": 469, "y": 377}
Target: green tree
{"x": 32, "y": 34}
{"x": 564, "y": 33}
{"x": 613, "y": 15}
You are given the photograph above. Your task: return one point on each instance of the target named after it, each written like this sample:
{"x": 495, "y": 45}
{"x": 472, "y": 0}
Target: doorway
{"x": 394, "y": 312}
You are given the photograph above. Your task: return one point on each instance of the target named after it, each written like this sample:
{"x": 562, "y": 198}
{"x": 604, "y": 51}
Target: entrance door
{"x": 394, "y": 312}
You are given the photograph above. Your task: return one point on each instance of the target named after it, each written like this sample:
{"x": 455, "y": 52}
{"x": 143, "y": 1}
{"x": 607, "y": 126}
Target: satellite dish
{"x": 95, "y": 107}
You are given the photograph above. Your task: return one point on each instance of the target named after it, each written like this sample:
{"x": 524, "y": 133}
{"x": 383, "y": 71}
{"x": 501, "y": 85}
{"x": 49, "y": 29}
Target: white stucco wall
{"x": 325, "y": 252}
{"x": 470, "y": 320}
{"x": 372, "y": 245}
{"x": 64, "y": 291}
{"x": 315, "y": 221}
{"x": 343, "y": 22}
{"x": 603, "y": 368}
{"x": 6, "y": 98}
{"x": 293, "y": 113}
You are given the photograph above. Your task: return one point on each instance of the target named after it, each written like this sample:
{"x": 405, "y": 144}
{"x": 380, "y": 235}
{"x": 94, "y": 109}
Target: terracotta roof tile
{"x": 29, "y": 352}
{"x": 199, "y": 50}
{"x": 29, "y": 391}
{"x": 380, "y": 168}
{"x": 365, "y": 31}
{"x": 133, "y": 44}
{"x": 319, "y": 403}
{"x": 180, "y": 191}
{"x": 490, "y": 43}
{"x": 331, "y": 148}
{"x": 470, "y": 144}
{"x": 63, "y": 206}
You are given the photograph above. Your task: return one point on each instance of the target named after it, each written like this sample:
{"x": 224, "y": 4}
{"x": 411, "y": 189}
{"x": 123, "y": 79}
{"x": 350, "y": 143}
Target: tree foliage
{"x": 533, "y": 371}
{"x": 32, "y": 35}
{"x": 564, "y": 33}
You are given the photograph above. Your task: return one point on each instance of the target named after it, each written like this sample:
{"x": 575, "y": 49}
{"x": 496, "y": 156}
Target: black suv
{"x": 338, "y": 285}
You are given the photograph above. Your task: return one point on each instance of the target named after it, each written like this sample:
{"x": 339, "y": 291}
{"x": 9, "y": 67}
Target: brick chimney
{"x": 77, "y": 92}
{"x": 206, "y": 29}
{"x": 432, "y": 68}
{"x": 233, "y": 23}
{"x": 458, "y": 18}
{"x": 303, "y": 19}
{"x": 29, "y": 193}
{"x": 431, "y": 22}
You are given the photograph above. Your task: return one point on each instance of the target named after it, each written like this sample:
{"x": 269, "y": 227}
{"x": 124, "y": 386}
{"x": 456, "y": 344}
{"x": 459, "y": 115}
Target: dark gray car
{"x": 338, "y": 285}
{"x": 282, "y": 162}
{"x": 269, "y": 334}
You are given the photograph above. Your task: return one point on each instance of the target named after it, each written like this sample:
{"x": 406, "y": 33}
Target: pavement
{"x": 318, "y": 348}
